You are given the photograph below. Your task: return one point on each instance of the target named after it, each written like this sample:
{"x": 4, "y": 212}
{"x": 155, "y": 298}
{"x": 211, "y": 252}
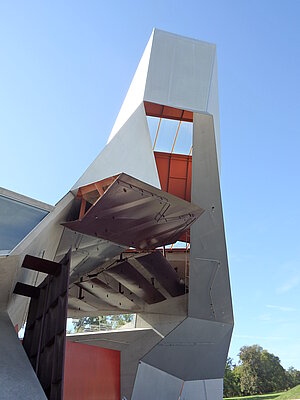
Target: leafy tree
{"x": 231, "y": 379}
{"x": 273, "y": 374}
{"x": 116, "y": 321}
{"x": 260, "y": 371}
{"x": 101, "y": 322}
{"x": 293, "y": 377}
{"x": 250, "y": 369}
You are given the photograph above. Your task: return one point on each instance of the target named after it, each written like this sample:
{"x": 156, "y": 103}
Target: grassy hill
{"x": 292, "y": 394}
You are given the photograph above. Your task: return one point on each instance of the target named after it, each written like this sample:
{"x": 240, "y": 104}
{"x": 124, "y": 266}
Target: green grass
{"x": 257, "y": 397}
{"x": 292, "y": 394}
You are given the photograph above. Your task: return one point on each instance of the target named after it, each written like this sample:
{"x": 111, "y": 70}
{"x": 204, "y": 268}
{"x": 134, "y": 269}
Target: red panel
{"x": 160, "y": 111}
{"x": 91, "y": 373}
{"x": 175, "y": 173}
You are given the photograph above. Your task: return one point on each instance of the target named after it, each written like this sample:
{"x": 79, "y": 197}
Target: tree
{"x": 260, "y": 371}
{"x": 293, "y": 377}
{"x": 250, "y": 369}
{"x": 102, "y": 322}
{"x": 231, "y": 379}
{"x": 273, "y": 374}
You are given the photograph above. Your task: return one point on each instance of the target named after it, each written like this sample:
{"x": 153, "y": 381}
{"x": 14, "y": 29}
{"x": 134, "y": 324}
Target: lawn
{"x": 292, "y": 394}
{"x": 257, "y": 397}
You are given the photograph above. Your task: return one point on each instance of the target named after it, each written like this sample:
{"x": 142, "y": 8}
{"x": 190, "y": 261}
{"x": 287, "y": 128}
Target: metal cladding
{"x": 129, "y": 277}
{"x": 176, "y": 80}
{"x": 158, "y": 266}
{"x": 122, "y": 215}
{"x": 135, "y": 214}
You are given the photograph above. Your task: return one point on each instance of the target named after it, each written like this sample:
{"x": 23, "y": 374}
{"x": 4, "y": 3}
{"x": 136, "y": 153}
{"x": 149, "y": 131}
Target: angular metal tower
{"x": 124, "y": 220}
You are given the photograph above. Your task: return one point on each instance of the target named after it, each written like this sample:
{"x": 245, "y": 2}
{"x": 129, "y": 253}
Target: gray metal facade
{"x": 184, "y": 322}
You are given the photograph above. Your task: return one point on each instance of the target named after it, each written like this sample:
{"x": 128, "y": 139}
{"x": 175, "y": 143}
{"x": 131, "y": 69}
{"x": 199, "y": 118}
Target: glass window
{"x": 17, "y": 219}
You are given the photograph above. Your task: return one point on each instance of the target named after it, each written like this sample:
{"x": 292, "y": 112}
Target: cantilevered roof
{"x": 135, "y": 214}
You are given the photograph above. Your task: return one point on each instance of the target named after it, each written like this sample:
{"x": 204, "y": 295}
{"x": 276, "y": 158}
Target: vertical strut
{"x": 176, "y": 137}
{"x": 156, "y": 133}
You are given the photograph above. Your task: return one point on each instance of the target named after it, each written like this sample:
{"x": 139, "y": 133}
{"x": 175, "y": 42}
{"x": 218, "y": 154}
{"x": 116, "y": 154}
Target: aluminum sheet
{"x": 129, "y": 277}
{"x": 158, "y": 266}
{"x": 135, "y": 214}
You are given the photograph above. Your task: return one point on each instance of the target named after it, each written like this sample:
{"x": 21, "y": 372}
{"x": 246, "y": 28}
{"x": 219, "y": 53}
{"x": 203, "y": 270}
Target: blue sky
{"x": 65, "y": 69}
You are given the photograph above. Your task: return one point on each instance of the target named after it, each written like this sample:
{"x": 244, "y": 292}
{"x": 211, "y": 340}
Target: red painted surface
{"x": 160, "y": 111}
{"x": 91, "y": 373}
{"x": 175, "y": 173}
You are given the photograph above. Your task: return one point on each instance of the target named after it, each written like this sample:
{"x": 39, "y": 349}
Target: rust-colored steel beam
{"x": 161, "y": 111}
{"x": 41, "y": 265}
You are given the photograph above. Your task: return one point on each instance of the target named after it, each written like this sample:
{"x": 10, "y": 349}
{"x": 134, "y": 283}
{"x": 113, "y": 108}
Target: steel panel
{"x": 128, "y": 276}
{"x": 175, "y": 173}
{"x": 41, "y": 265}
{"x": 17, "y": 377}
{"x": 209, "y": 295}
{"x": 152, "y": 383}
{"x": 161, "y": 111}
{"x": 196, "y": 349}
{"x": 207, "y": 389}
{"x": 26, "y": 290}
{"x": 179, "y": 73}
{"x": 130, "y": 151}
{"x": 106, "y": 294}
{"x": 135, "y": 214}
{"x": 45, "y": 332}
{"x": 158, "y": 266}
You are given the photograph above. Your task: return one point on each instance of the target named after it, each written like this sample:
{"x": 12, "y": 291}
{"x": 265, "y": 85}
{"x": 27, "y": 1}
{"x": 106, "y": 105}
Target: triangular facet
{"x": 129, "y": 151}
{"x": 135, "y": 94}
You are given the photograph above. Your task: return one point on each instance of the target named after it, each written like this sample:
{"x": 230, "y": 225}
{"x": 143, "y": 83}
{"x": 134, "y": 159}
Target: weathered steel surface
{"x": 135, "y": 214}
{"x": 26, "y": 290}
{"x": 126, "y": 274}
{"x": 45, "y": 333}
{"x": 162, "y": 270}
{"x": 41, "y": 265}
